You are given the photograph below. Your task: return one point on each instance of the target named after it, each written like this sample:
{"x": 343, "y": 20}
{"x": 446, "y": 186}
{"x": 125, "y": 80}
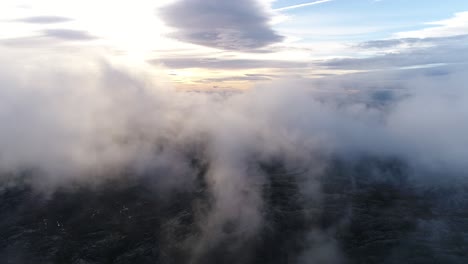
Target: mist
{"x": 83, "y": 121}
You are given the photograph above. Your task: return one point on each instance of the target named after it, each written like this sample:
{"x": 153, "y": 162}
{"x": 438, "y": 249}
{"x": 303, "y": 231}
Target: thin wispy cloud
{"x": 68, "y": 34}
{"x": 302, "y": 5}
{"x": 44, "y": 19}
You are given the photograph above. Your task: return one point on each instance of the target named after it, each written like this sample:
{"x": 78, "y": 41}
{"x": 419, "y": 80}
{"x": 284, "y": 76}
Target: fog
{"x": 82, "y": 120}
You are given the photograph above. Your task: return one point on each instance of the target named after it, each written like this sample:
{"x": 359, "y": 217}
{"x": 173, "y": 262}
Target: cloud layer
{"x": 90, "y": 120}
{"x": 445, "y": 50}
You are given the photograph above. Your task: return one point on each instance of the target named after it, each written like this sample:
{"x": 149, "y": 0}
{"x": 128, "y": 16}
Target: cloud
{"x": 66, "y": 109}
{"x": 28, "y": 42}
{"x": 68, "y": 34}
{"x": 302, "y": 5}
{"x": 73, "y": 118}
{"x": 231, "y": 64}
{"x": 434, "y": 51}
{"x": 394, "y": 43}
{"x": 48, "y": 38}
{"x": 246, "y": 77}
{"x": 457, "y": 25}
{"x": 44, "y": 19}
{"x": 242, "y": 25}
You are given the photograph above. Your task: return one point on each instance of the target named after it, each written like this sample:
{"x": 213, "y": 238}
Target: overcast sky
{"x": 235, "y": 44}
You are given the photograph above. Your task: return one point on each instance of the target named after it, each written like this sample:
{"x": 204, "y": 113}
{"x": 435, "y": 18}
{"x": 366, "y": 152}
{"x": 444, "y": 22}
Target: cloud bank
{"x": 91, "y": 120}
{"x": 444, "y": 50}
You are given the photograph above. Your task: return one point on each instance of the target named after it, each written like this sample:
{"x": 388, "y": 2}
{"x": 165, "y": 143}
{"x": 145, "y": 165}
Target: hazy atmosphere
{"x": 246, "y": 131}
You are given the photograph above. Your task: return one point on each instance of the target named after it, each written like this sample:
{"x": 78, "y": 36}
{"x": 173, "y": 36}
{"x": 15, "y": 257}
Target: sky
{"x": 213, "y": 44}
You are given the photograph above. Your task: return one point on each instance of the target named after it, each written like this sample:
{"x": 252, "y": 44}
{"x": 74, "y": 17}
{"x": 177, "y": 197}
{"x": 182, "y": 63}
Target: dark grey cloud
{"x": 228, "y": 64}
{"x": 44, "y": 19}
{"x": 232, "y": 25}
{"x": 68, "y": 34}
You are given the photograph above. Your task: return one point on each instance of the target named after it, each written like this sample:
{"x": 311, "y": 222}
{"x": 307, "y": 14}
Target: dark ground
{"x": 370, "y": 212}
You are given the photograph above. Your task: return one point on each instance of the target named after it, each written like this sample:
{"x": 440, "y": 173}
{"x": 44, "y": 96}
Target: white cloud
{"x": 457, "y": 25}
